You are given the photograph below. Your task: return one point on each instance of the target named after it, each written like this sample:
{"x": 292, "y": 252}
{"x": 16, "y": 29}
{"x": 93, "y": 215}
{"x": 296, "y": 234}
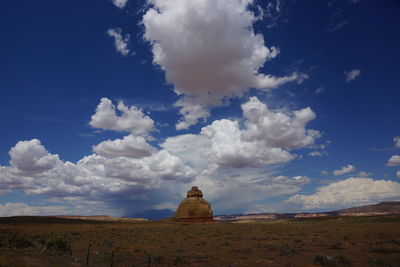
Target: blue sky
{"x": 115, "y": 107}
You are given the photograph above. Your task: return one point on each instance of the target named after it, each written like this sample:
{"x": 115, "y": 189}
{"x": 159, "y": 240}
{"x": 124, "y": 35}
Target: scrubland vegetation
{"x": 362, "y": 241}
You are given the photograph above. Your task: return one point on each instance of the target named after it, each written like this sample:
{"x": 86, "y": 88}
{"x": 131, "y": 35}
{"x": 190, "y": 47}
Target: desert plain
{"x": 326, "y": 241}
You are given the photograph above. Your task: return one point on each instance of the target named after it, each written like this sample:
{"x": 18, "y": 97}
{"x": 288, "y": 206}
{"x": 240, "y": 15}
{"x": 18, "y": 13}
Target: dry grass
{"x": 372, "y": 241}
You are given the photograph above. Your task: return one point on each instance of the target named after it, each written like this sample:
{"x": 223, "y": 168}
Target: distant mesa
{"x": 194, "y": 208}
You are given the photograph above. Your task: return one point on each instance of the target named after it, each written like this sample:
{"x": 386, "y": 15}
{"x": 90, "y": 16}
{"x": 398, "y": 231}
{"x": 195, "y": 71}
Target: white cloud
{"x": 352, "y": 75}
{"x": 348, "y": 192}
{"x": 398, "y": 174}
{"x": 229, "y": 149}
{"x": 32, "y": 157}
{"x": 120, "y": 41}
{"x": 209, "y": 51}
{"x": 320, "y": 90}
{"x": 394, "y": 161}
{"x": 120, "y": 3}
{"x": 19, "y": 209}
{"x": 335, "y": 27}
{"x": 345, "y": 169}
{"x": 277, "y": 129}
{"x": 191, "y": 113}
{"x": 396, "y": 141}
{"x": 130, "y": 174}
{"x": 364, "y": 174}
{"x": 252, "y": 185}
{"x": 266, "y": 139}
{"x": 131, "y": 119}
{"x": 315, "y": 154}
{"x": 273, "y": 13}
{"x": 130, "y": 146}
{"x": 94, "y": 177}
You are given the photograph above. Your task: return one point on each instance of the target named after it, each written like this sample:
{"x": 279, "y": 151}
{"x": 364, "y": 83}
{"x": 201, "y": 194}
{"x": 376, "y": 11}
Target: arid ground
{"x": 333, "y": 241}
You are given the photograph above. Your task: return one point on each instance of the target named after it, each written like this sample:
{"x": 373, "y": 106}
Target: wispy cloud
{"x": 352, "y": 75}
{"x": 120, "y": 41}
{"x": 320, "y": 90}
{"x": 345, "y": 169}
{"x": 335, "y": 27}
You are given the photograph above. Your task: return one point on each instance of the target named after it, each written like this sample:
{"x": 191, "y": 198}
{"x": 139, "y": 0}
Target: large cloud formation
{"x": 93, "y": 178}
{"x": 266, "y": 138}
{"x": 209, "y": 52}
{"x": 133, "y": 170}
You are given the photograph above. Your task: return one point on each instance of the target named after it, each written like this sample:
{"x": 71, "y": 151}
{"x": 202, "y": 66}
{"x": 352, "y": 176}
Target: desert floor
{"x": 47, "y": 241}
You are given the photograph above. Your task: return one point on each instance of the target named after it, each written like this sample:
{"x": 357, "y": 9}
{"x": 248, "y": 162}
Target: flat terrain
{"x": 333, "y": 241}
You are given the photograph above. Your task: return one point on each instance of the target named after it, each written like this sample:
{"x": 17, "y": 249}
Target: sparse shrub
{"x": 60, "y": 245}
{"x": 179, "y": 260}
{"x": 379, "y": 263}
{"x": 321, "y": 260}
{"x": 341, "y": 260}
{"x": 383, "y": 250}
{"x": 21, "y": 241}
{"x": 338, "y": 260}
{"x": 226, "y": 243}
{"x": 158, "y": 259}
{"x": 288, "y": 251}
{"x": 337, "y": 245}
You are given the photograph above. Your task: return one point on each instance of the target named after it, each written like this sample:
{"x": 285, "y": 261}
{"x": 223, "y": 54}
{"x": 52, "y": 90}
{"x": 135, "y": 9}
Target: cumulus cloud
{"x": 209, "y": 51}
{"x": 32, "y": 157}
{"x": 394, "y": 161}
{"x": 396, "y": 141}
{"x": 345, "y": 169}
{"x": 130, "y": 173}
{"x": 130, "y": 146}
{"x": 348, "y": 192}
{"x": 266, "y": 138}
{"x": 315, "y": 154}
{"x": 120, "y": 3}
{"x": 229, "y": 149}
{"x": 398, "y": 174}
{"x": 94, "y": 177}
{"x": 132, "y": 119}
{"x": 277, "y": 129}
{"x": 352, "y": 75}
{"x": 120, "y": 41}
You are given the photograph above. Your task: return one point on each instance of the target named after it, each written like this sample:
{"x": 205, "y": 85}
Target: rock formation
{"x": 194, "y": 208}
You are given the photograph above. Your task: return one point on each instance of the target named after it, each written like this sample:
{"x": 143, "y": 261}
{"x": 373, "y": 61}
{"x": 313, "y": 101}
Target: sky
{"x": 117, "y": 107}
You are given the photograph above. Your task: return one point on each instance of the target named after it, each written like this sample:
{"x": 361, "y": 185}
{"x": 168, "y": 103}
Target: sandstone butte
{"x": 194, "y": 208}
